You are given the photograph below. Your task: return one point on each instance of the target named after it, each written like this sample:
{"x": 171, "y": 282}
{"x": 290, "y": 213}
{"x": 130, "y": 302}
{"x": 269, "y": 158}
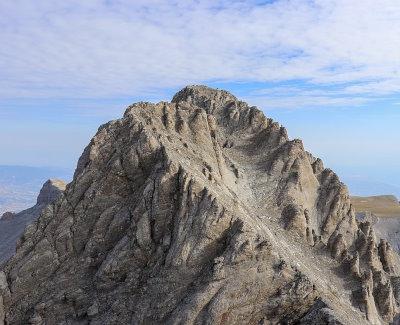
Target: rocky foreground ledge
{"x": 200, "y": 211}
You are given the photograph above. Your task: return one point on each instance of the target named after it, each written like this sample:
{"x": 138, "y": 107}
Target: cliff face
{"x": 12, "y": 224}
{"x": 199, "y": 211}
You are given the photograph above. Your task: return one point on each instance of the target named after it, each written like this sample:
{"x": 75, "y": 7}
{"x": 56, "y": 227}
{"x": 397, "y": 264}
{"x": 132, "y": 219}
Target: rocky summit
{"x": 200, "y": 211}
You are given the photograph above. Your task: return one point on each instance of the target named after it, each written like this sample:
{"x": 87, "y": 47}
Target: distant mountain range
{"x": 20, "y": 185}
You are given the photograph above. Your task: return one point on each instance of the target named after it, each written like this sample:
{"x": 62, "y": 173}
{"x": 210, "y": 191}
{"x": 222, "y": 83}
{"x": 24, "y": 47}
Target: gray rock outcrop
{"x": 199, "y": 211}
{"x": 385, "y": 227}
{"x": 7, "y": 215}
{"x": 51, "y": 191}
{"x": 12, "y": 224}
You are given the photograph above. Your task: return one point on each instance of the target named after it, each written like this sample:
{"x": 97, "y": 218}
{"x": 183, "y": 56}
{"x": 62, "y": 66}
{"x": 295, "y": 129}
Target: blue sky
{"x": 327, "y": 70}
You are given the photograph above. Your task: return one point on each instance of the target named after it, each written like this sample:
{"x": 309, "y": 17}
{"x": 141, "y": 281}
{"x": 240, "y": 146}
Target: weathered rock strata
{"x": 199, "y": 211}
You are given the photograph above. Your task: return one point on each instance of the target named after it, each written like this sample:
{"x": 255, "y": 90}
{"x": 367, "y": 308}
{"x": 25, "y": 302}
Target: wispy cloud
{"x": 126, "y": 48}
{"x": 305, "y": 100}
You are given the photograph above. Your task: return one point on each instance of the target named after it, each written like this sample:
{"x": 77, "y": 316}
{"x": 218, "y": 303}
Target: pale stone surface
{"x": 200, "y": 211}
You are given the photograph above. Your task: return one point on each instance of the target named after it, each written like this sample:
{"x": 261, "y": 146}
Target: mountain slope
{"x": 200, "y": 211}
{"x": 12, "y": 227}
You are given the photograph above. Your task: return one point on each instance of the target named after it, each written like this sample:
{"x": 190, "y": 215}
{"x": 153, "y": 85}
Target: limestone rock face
{"x": 51, "y": 191}
{"x": 199, "y": 211}
{"x": 12, "y": 224}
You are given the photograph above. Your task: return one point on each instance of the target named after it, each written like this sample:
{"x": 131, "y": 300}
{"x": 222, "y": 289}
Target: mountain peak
{"x": 203, "y": 96}
{"x": 200, "y": 211}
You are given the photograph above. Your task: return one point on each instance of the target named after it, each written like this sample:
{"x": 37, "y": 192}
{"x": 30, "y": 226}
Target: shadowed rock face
{"x": 12, "y": 225}
{"x": 51, "y": 191}
{"x": 383, "y": 213}
{"x": 7, "y": 215}
{"x": 199, "y": 211}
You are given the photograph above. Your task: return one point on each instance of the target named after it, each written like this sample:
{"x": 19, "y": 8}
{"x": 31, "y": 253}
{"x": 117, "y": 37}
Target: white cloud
{"x": 304, "y": 100}
{"x": 125, "y": 48}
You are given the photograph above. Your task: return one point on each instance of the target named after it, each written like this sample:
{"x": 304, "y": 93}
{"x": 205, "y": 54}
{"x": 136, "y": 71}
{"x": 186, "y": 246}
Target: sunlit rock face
{"x": 199, "y": 211}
